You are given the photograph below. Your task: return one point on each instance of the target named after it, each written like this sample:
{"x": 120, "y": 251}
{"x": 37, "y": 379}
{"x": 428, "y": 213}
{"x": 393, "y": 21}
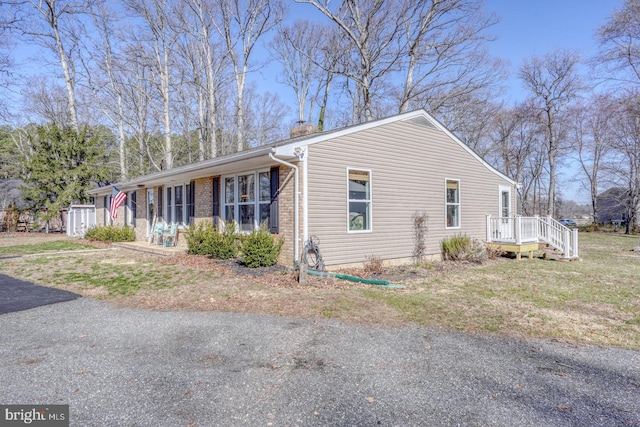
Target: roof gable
{"x": 292, "y": 148}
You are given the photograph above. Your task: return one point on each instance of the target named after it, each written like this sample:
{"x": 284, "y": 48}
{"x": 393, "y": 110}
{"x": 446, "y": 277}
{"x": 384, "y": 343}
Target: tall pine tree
{"x": 63, "y": 166}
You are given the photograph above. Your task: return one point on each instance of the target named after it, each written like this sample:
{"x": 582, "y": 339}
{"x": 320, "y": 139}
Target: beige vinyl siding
{"x": 409, "y": 167}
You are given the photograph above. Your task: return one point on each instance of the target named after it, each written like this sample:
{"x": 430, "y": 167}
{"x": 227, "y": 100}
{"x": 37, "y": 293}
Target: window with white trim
{"x": 359, "y": 196}
{"x": 230, "y": 199}
{"x": 247, "y": 199}
{"x": 264, "y": 197}
{"x": 246, "y": 202}
{"x": 180, "y": 203}
{"x": 453, "y": 203}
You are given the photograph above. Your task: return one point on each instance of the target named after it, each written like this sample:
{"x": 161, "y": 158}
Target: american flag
{"x": 117, "y": 199}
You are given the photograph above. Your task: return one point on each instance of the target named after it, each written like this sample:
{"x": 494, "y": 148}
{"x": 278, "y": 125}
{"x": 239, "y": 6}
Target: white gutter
{"x": 296, "y": 219}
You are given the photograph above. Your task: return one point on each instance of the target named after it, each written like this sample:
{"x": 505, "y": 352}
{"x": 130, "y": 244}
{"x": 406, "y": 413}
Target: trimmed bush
{"x": 199, "y": 237}
{"x": 221, "y": 244}
{"x": 260, "y": 249}
{"x": 463, "y": 248}
{"x": 110, "y": 233}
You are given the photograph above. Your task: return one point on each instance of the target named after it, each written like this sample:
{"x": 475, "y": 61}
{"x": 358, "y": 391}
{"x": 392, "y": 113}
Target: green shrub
{"x": 463, "y": 248}
{"x": 220, "y": 245}
{"x": 110, "y": 233}
{"x": 260, "y": 249}
{"x": 198, "y": 237}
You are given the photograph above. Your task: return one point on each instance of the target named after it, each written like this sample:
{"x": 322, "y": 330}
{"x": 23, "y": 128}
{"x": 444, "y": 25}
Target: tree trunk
{"x": 68, "y": 78}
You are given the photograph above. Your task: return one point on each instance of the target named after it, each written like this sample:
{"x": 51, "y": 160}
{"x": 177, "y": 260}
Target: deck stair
{"x": 519, "y": 233}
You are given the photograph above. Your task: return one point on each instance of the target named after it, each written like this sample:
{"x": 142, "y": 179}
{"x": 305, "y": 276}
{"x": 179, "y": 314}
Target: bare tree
{"x": 192, "y": 88}
{"x": 626, "y": 168}
{"x": 517, "y": 148}
{"x": 241, "y": 24}
{"x": 443, "y": 57}
{"x": 104, "y": 75}
{"x": 47, "y": 100}
{"x": 619, "y": 41}
{"x": 265, "y": 116}
{"x": 155, "y": 14}
{"x": 56, "y": 25}
{"x": 467, "y": 118}
{"x": 197, "y": 24}
{"x": 591, "y": 132}
{"x": 296, "y": 48}
{"x": 371, "y": 28}
{"x": 553, "y": 82}
{"x": 139, "y": 97}
{"x": 6, "y": 63}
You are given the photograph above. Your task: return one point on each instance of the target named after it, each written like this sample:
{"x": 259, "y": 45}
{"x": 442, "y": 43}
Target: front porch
{"x": 524, "y": 234}
{"x": 153, "y": 249}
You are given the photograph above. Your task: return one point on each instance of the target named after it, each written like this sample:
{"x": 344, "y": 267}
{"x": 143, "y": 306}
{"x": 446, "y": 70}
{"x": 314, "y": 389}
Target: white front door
{"x": 151, "y": 211}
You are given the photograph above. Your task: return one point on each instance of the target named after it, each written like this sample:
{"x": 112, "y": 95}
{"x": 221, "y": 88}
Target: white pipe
{"x": 305, "y": 200}
{"x": 296, "y": 219}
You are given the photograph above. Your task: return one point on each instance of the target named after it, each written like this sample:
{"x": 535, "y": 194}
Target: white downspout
{"x": 296, "y": 219}
{"x": 305, "y": 200}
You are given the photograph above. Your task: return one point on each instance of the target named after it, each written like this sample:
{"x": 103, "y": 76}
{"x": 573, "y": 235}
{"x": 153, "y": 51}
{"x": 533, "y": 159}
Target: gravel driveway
{"x": 131, "y": 367}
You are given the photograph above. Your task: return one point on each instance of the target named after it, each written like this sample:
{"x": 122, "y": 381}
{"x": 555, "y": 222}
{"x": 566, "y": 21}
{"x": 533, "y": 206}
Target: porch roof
{"x": 244, "y": 160}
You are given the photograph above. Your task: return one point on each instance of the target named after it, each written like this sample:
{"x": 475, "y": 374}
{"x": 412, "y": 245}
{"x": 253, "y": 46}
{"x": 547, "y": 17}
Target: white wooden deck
{"x": 524, "y": 231}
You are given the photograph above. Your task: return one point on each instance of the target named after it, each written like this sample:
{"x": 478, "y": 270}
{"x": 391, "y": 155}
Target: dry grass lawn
{"x": 593, "y": 301}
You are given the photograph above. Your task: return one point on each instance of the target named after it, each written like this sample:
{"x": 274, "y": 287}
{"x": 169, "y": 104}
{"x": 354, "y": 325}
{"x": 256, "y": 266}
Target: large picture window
{"x": 247, "y": 202}
{"x": 359, "y": 196}
{"x": 247, "y": 199}
{"x": 180, "y": 203}
{"x": 453, "y": 203}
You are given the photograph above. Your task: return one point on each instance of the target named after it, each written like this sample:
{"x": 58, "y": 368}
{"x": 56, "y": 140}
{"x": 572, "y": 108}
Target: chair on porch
{"x": 169, "y": 235}
{"x": 158, "y": 232}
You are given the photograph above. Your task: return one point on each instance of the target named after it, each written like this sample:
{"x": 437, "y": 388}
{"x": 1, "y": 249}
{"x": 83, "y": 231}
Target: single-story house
{"x": 613, "y": 206}
{"x": 357, "y": 189}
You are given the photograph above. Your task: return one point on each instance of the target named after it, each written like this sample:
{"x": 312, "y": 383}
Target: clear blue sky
{"x": 529, "y": 27}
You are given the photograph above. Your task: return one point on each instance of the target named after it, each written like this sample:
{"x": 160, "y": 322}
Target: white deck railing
{"x": 520, "y": 230}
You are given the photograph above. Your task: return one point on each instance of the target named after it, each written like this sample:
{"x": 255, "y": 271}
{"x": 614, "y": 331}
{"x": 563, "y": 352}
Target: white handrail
{"x": 518, "y": 230}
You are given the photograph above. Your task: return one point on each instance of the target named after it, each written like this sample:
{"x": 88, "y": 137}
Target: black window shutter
{"x": 134, "y": 205}
{"x": 216, "y": 201}
{"x": 160, "y": 202}
{"x": 273, "y": 206}
{"x": 192, "y": 200}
